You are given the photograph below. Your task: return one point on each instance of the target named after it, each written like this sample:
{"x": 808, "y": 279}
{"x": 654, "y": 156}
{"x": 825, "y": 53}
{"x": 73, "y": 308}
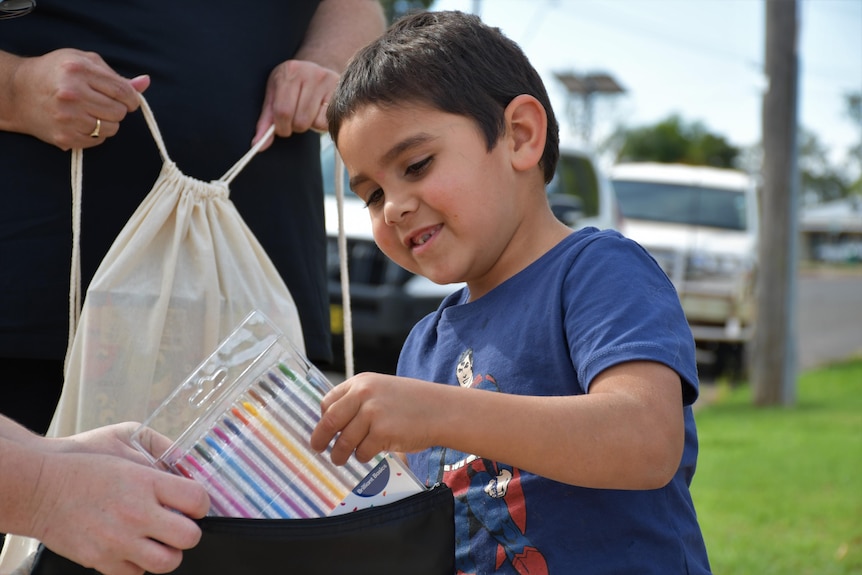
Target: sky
{"x": 699, "y": 59}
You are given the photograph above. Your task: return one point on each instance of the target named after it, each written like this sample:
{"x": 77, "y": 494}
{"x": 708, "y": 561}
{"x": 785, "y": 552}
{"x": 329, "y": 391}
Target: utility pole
{"x": 774, "y": 354}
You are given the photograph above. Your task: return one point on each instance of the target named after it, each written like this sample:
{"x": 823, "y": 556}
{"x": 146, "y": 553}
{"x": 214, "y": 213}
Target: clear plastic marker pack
{"x": 240, "y": 425}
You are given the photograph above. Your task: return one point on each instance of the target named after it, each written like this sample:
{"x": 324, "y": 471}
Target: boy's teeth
{"x": 422, "y": 239}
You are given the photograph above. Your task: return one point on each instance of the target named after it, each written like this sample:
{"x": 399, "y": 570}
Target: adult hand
{"x": 296, "y": 96}
{"x": 114, "y": 515}
{"x": 111, "y": 440}
{"x": 68, "y": 98}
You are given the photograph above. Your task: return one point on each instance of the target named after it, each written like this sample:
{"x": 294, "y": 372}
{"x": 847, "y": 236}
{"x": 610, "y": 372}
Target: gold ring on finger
{"x": 97, "y": 129}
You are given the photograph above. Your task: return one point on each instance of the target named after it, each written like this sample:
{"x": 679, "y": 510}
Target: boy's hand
{"x": 371, "y": 412}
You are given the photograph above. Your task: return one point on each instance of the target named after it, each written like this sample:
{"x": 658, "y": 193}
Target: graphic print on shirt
{"x": 489, "y": 498}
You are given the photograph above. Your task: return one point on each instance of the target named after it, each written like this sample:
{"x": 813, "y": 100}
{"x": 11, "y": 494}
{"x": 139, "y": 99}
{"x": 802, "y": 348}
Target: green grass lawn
{"x": 778, "y": 490}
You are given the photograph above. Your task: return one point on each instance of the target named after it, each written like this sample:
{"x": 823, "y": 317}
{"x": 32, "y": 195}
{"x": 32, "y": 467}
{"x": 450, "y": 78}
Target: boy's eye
{"x": 419, "y": 167}
{"x": 412, "y": 171}
{"x": 374, "y": 198}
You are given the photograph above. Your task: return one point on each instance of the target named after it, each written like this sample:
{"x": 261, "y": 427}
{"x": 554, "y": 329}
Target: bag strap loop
{"x": 154, "y": 128}
{"x": 243, "y": 161}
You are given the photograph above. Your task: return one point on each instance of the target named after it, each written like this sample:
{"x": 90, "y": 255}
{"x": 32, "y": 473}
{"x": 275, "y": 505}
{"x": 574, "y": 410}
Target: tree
{"x": 394, "y": 9}
{"x": 674, "y": 141}
{"x": 818, "y": 178}
{"x": 854, "y": 112}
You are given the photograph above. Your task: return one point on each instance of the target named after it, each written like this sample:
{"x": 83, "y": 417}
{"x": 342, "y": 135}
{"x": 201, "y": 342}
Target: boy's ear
{"x": 527, "y": 125}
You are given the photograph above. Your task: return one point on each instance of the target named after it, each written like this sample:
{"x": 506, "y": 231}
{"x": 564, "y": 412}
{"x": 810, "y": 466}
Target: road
{"x": 828, "y": 316}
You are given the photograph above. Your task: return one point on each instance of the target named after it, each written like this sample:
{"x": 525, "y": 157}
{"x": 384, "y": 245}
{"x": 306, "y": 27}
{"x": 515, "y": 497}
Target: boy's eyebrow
{"x": 394, "y": 152}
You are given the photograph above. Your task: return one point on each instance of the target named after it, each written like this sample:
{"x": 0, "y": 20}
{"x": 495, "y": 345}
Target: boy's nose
{"x": 398, "y": 207}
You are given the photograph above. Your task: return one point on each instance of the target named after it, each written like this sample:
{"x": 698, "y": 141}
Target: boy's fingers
{"x": 323, "y": 432}
{"x": 334, "y": 395}
{"x": 348, "y": 441}
{"x": 332, "y": 417}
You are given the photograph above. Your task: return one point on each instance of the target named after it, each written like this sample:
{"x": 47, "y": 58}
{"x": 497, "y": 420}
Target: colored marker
{"x": 339, "y": 492}
{"x": 312, "y": 412}
{"x": 342, "y": 474}
{"x": 311, "y": 459}
{"x": 274, "y": 449}
{"x": 357, "y": 469}
{"x": 235, "y": 483}
{"x": 296, "y": 452}
{"x": 307, "y": 506}
{"x": 242, "y": 511}
{"x": 269, "y": 499}
{"x": 255, "y": 468}
{"x": 313, "y": 390}
{"x": 218, "y": 505}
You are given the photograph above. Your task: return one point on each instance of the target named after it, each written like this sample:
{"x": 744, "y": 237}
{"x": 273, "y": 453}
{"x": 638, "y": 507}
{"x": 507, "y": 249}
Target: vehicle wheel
{"x": 731, "y": 361}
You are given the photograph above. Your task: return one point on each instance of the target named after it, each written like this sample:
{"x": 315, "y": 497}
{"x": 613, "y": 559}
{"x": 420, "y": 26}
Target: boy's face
{"x": 441, "y": 204}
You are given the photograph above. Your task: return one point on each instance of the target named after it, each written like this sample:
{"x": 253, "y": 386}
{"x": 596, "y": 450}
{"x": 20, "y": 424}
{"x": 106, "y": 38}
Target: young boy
{"x": 553, "y": 393}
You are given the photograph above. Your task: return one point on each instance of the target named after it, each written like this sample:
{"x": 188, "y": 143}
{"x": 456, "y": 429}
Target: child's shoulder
{"x": 593, "y": 239}
{"x": 591, "y": 251}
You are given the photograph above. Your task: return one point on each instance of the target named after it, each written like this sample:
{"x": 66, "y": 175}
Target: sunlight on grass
{"x": 779, "y": 490}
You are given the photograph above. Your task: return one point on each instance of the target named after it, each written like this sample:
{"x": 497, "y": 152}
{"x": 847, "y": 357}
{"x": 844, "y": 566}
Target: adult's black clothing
{"x": 209, "y": 61}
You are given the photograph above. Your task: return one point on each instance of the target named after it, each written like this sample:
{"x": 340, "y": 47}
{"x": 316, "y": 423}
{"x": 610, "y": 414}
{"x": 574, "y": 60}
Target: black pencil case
{"x": 415, "y": 535}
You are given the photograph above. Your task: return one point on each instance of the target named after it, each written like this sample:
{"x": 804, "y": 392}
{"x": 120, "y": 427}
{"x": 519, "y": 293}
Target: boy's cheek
{"x": 391, "y": 247}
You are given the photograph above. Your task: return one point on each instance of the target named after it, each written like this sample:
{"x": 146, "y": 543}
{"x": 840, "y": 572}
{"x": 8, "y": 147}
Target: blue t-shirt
{"x": 593, "y": 301}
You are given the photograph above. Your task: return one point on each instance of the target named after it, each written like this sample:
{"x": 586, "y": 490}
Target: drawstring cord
{"x": 342, "y": 266}
{"x": 75, "y": 273}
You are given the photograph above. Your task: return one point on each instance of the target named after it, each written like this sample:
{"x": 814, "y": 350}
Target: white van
{"x": 701, "y": 225}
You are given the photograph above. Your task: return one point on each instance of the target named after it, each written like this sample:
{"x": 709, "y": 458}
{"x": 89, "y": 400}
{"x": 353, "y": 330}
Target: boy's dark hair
{"x": 451, "y": 61}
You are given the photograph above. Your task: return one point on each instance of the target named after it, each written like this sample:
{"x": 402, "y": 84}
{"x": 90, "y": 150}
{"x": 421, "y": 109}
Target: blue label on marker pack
{"x": 375, "y": 482}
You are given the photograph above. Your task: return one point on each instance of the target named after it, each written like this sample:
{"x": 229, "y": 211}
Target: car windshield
{"x": 679, "y": 204}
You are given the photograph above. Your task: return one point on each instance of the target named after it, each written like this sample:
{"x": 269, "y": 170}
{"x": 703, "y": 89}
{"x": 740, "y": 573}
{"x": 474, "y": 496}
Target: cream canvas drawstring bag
{"x": 181, "y": 275}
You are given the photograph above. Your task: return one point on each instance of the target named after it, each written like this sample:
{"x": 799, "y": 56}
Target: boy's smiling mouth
{"x": 424, "y": 236}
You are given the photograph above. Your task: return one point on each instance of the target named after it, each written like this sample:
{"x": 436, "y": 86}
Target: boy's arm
{"x": 627, "y": 433}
